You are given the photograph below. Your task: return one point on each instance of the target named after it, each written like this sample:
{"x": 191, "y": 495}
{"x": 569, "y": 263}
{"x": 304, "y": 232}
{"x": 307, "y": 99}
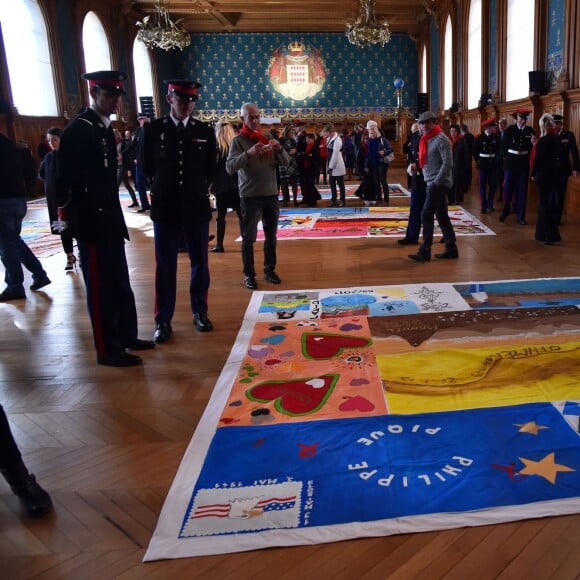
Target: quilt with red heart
{"x": 367, "y": 411}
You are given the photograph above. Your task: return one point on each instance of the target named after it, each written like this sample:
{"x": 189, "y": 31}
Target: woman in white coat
{"x": 336, "y": 169}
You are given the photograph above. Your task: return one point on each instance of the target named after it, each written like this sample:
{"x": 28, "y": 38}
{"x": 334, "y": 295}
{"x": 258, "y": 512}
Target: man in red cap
{"x": 88, "y": 197}
{"x": 485, "y": 149}
{"x": 516, "y": 147}
{"x": 179, "y": 155}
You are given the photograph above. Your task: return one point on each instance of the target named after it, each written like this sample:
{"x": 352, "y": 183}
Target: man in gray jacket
{"x": 436, "y": 161}
{"x": 254, "y": 158}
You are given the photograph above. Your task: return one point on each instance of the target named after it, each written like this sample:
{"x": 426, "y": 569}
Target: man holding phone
{"x": 254, "y": 158}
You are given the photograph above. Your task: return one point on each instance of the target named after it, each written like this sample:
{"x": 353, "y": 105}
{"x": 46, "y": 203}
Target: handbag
{"x": 390, "y": 157}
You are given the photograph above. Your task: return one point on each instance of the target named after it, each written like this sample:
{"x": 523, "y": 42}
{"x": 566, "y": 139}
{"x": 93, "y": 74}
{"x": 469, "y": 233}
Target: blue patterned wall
{"x": 555, "y": 54}
{"x": 234, "y": 68}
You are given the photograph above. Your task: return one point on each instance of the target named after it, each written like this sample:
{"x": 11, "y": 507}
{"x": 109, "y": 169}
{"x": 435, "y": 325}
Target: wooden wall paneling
{"x": 541, "y": 23}
{"x": 501, "y": 48}
{"x": 572, "y": 54}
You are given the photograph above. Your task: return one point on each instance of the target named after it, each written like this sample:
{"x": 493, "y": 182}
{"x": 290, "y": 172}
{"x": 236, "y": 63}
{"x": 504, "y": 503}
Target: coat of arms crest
{"x": 297, "y": 72}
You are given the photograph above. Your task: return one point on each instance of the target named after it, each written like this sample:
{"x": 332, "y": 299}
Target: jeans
{"x": 253, "y": 210}
{"x": 417, "y": 203}
{"x": 436, "y": 205}
{"x": 334, "y": 180}
{"x": 383, "y": 169}
{"x": 13, "y": 251}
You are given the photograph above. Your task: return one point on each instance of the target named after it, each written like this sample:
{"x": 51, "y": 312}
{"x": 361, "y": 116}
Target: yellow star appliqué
{"x": 546, "y": 467}
{"x": 531, "y": 427}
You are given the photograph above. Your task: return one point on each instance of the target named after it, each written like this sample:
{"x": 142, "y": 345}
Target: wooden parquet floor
{"x": 107, "y": 442}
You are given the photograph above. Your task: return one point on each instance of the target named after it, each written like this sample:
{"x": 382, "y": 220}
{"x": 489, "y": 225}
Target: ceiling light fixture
{"x": 161, "y": 32}
{"x": 365, "y": 29}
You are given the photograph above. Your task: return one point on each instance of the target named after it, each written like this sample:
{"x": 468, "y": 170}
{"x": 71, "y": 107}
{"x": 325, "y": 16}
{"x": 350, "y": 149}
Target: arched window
{"x": 142, "y": 68}
{"x": 424, "y": 71}
{"x": 95, "y": 44}
{"x": 520, "y": 48}
{"x": 474, "y": 54}
{"x": 28, "y": 56}
{"x": 448, "y": 66}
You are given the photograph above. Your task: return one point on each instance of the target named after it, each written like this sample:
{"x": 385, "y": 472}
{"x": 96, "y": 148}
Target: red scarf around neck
{"x": 423, "y": 144}
{"x": 254, "y": 135}
{"x": 456, "y": 140}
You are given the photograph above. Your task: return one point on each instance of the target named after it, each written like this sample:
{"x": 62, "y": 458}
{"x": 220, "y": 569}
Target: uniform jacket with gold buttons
{"x": 87, "y": 180}
{"x": 180, "y": 168}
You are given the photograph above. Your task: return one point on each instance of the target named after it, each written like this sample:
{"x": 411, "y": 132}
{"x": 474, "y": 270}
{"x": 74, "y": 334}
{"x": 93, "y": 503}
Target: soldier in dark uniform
{"x": 485, "y": 150}
{"x": 570, "y": 166}
{"x": 88, "y": 199}
{"x": 178, "y": 154}
{"x": 516, "y": 146}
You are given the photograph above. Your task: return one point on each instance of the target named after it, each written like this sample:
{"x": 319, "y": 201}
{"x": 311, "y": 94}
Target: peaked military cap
{"x": 558, "y": 117}
{"x": 525, "y": 113}
{"x": 489, "y": 122}
{"x": 186, "y": 90}
{"x": 111, "y": 81}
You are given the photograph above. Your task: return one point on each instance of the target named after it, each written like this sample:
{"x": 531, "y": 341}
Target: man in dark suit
{"x": 178, "y": 154}
{"x": 88, "y": 198}
{"x": 571, "y": 164}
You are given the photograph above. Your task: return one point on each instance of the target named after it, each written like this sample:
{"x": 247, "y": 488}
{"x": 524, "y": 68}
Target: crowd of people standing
{"x": 181, "y": 160}
{"x": 251, "y": 171}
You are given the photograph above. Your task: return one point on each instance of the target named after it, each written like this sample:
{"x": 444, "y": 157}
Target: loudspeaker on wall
{"x": 538, "y": 82}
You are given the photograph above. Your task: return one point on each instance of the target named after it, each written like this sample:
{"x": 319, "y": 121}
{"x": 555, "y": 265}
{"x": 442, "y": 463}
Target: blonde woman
{"x": 547, "y": 159}
{"x": 225, "y": 186}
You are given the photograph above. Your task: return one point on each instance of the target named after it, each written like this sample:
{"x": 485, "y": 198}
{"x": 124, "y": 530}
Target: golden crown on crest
{"x": 296, "y": 46}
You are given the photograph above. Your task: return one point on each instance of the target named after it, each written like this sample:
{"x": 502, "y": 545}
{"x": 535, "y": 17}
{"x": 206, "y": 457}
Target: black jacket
{"x": 181, "y": 170}
{"x": 11, "y": 176}
{"x": 87, "y": 180}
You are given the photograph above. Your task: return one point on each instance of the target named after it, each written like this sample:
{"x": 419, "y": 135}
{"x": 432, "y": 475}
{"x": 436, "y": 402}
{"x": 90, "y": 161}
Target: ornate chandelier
{"x": 365, "y": 29}
{"x": 161, "y": 31}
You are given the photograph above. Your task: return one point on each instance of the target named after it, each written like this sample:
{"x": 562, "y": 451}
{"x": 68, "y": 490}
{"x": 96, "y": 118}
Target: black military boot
{"x": 33, "y": 498}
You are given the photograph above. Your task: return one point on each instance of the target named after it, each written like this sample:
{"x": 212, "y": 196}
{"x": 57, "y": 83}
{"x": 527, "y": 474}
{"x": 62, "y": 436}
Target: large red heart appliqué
{"x": 297, "y": 397}
{"x": 324, "y": 346}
